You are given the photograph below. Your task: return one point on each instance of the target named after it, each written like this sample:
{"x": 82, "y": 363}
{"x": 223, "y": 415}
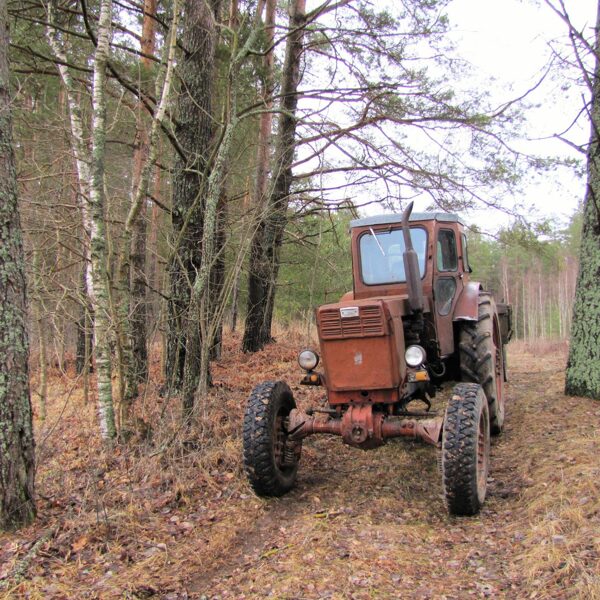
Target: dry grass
{"x": 541, "y": 347}
{"x": 561, "y": 545}
{"x": 171, "y": 516}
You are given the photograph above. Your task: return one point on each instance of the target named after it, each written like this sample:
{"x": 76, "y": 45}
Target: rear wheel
{"x": 482, "y": 358}
{"x": 466, "y": 450}
{"x": 270, "y": 457}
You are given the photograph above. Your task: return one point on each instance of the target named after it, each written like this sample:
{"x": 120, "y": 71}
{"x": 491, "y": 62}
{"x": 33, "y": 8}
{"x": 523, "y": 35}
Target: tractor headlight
{"x": 414, "y": 356}
{"x": 308, "y": 360}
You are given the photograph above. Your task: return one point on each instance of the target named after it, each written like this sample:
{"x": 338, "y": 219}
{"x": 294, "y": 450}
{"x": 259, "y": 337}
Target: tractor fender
{"x": 467, "y": 306}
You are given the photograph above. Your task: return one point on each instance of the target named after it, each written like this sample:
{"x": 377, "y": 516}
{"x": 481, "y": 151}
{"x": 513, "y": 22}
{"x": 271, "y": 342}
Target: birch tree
{"x": 17, "y": 506}
{"x": 99, "y": 249}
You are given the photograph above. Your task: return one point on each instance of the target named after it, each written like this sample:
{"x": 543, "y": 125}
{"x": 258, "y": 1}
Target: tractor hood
{"x": 362, "y": 346}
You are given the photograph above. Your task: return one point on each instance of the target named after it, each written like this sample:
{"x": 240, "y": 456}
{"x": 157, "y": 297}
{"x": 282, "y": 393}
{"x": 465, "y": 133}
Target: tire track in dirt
{"x": 361, "y": 525}
{"x": 373, "y": 524}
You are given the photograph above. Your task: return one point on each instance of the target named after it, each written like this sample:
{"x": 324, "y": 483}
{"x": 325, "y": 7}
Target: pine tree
{"x": 583, "y": 366}
{"x": 16, "y": 433}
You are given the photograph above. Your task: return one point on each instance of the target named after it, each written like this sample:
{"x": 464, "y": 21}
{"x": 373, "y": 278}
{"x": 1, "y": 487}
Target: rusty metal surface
{"x": 426, "y": 430}
{"x": 505, "y": 318}
{"x": 361, "y": 427}
{"x": 467, "y": 305}
{"x": 364, "y": 428}
{"x": 371, "y": 320}
{"x": 359, "y": 352}
{"x": 386, "y": 396}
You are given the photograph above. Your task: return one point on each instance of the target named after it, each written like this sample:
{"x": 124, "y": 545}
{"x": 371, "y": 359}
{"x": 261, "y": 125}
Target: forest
{"x": 178, "y": 180}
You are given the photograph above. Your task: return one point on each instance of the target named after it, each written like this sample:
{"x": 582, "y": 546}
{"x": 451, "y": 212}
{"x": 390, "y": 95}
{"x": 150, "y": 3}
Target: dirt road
{"x": 373, "y": 524}
{"x": 173, "y": 517}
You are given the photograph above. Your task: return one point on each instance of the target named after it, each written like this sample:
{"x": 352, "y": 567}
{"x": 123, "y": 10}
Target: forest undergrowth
{"x": 171, "y": 516}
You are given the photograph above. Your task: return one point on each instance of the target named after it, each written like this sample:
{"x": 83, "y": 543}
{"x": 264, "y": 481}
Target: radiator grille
{"x": 368, "y": 323}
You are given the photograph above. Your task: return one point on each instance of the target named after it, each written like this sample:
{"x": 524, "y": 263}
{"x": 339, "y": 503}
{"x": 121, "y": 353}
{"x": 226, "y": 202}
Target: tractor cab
{"x": 439, "y": 241}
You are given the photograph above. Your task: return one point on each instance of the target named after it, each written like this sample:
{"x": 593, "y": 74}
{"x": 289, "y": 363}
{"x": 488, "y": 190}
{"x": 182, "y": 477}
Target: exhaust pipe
{"x": 411, "y": 266}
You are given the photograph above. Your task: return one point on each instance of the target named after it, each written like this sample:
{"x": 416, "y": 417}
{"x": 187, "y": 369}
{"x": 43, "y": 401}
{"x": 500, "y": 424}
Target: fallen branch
{"x": 21, "y": 567}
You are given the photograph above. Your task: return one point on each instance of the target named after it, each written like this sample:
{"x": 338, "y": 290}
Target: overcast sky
{"x": 508, "y": 44}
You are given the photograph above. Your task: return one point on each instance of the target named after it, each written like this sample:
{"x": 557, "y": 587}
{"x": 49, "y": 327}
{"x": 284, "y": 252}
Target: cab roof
{"x": 397, "y": 219}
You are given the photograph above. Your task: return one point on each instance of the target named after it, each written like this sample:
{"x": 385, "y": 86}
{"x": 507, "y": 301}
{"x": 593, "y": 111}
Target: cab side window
{"x": 447, "y": 256}
{"x": 465, "y": 254}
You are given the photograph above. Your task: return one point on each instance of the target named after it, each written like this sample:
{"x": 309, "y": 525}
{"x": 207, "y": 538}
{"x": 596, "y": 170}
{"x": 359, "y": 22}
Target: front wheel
{"x": 466, "y": 449}
{"x": 270, "y": 457}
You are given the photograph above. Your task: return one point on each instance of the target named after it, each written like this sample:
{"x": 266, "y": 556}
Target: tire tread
{"x": 459, "y": 449}
{"x": 263, "y": 474}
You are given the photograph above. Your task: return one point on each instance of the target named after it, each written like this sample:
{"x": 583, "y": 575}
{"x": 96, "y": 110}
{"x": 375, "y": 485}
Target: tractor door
{"x": 447, "y": 286}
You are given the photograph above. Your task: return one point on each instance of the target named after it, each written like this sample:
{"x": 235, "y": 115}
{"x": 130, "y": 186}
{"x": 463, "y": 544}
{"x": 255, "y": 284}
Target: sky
{"x": 508, "y": 43}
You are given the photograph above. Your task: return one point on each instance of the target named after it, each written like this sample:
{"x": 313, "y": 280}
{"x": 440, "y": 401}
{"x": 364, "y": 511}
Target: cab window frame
{"x": 465, "y": 253}
{"x": 440, "y": 252}
{"x": 390, "y": 230}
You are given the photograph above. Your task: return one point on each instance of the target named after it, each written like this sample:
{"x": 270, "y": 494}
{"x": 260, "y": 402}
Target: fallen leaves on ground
{"x": 170, "y": 515}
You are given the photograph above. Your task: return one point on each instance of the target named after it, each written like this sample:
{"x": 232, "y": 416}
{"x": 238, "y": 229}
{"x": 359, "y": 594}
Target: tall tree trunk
{"x": 217, "y": 284}
{"x": 235, "y": 300}
{"x": 156, "y": 220}
{"x": 194, "y": 131}
{"x": 38, "y": 312}
{"x": 196, "y": 369}
{"x": 84, "y": 326}
{"x": 17, "y": 505}
{"x": 266, "y": 243}
{"x": 200, "y": 332}
{"x": 266, "y": 118}
{"x": 583, "y": 366}
{"x": 99, "y": 249}
{"x": 81, "y": 154}
{"x": 138, "y": 251}
{"x": 144, "y": 167}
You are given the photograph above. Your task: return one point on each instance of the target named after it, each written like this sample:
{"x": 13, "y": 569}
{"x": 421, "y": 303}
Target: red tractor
{"x": 413, "y": 321}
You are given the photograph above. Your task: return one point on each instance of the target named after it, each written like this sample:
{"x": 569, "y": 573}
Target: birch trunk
{"x": 99, "y": 249}
{"x": 17, "y": 507}
{"x": 81, "y": 154}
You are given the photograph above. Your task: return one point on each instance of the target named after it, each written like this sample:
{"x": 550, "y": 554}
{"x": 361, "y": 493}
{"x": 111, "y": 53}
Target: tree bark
{"x": 99, "y": 249}
{"x": 17, "y": 507}
{"x": 583, "y": 366}
{"x": 204, "y": 316}
{"x": 139, "y": 238}
{"x": 217, "y": 284}
{"x": 272, "y": 219}
{"x": 84, "y": 326}
{"x": 194, "y": 132}
{"x": 126, "y": 279}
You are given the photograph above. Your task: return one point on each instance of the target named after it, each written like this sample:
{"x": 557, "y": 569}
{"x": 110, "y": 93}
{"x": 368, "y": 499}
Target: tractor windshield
{"x": 381, "y": 255}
